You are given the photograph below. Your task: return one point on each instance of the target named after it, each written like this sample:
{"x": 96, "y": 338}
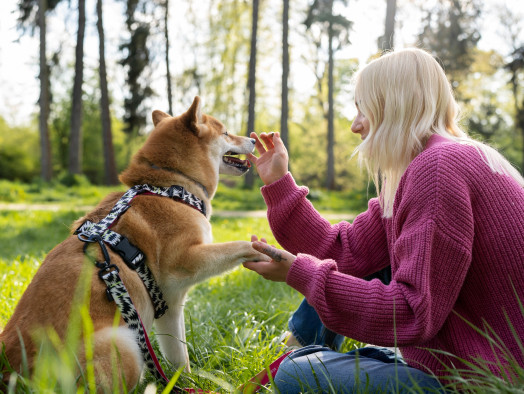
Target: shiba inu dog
{"x": 189, "y": 151}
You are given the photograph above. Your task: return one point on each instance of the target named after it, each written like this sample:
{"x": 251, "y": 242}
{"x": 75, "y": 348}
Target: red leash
{"x": 262, "y": 378}
{"x": 253, "y": 385}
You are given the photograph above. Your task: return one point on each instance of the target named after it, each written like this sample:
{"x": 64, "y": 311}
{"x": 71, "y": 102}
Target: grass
{"x": 228, "y": 344}
{"x": 226, "y": 198}
{"x": 233, "y": 321}
{"x": 69, "y": 195}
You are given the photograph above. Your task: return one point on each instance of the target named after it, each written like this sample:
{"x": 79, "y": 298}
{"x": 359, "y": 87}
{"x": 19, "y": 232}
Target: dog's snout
{"x": 253, "y": 141}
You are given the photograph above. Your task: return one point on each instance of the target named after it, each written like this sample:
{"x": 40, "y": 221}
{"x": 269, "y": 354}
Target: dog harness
{"x": 101, "y": 233}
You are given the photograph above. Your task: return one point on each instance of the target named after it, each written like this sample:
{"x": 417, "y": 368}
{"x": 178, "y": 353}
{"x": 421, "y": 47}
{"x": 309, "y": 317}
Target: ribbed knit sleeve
{"x": 359, "y": 248}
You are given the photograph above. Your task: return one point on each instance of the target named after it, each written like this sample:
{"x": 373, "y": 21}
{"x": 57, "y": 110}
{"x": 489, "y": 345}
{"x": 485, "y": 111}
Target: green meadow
{"x": 233, "y": 321}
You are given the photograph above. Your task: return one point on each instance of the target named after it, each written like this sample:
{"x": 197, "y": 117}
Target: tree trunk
{"x": 168, "y": 71}
{"x": 330, "y": 178}
{"x": 522, "y": 132}
{"x": 110, "y": 172}
{"x": 250, "y": 177}
{"x": 285, "y": 76}
{"x": 46, "y": 169}
{"x": 75, "y": 144}
{"x": 519, "y": 111}
{"x": 386, "y": 42}
{"x": 520, "y": 125}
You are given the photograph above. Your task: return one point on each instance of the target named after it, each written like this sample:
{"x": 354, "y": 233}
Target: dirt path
{"x": 219, "y": 213}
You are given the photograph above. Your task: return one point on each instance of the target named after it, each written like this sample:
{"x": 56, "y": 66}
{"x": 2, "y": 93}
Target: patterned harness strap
{"x": 100, "y": 233}
{"x": 119, "y": 293}
{"x": 135, "y": 260}
{"x": 174, "y": 192}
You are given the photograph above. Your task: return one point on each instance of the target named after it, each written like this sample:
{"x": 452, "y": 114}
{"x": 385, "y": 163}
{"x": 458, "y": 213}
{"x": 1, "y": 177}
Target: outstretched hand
{"x": 276, "y": 269}
{"x": 272, "y": 164}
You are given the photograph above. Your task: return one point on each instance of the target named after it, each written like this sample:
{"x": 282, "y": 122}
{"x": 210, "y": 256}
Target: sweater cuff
{"x": 284, "y": 187}
{"x": 303, "y": 269}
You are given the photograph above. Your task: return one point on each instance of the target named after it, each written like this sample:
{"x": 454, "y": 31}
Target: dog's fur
{"x": 176, "y": 239}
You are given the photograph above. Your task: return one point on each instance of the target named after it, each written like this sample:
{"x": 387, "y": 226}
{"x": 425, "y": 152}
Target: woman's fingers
{"x": 258, "y": 144}
{"x": 268, "y": 140}
{"x": 276, "y": 269}
{"x": 278, "y": 144}
{"x": 252, "y": 158}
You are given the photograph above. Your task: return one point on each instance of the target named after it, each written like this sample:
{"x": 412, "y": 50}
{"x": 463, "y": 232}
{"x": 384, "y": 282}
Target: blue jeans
{"x": 318, "y": 367}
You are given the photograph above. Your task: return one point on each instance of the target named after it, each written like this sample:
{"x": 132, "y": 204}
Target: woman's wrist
{"x": 273, "y": 179}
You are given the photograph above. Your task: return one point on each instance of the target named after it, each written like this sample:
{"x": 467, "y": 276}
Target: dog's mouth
{"x": 232, "y": 159}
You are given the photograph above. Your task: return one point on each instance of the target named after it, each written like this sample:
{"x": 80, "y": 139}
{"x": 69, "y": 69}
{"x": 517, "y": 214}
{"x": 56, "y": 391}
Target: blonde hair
{"x": 406, "y": 98}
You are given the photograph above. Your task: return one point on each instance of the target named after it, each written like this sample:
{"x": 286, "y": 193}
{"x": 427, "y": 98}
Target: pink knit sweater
{"x": 456, "y": 248}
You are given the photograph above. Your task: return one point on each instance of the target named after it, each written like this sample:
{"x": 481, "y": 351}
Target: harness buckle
{"x": 131, "y": 255}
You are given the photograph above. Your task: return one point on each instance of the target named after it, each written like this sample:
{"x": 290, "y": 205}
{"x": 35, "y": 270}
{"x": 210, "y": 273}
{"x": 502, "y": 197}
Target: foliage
{"x": 488, "y": 108}
{"x": 136, "y": 62}
{"x": 321, "y": 12}
{"x": 15, "y": 145}
{"x": 451, "y": 32}
{"x": 28, "y": 18}
{"x": 212, "y": 62}
{"x": 72, "y": 192}
{"x": 227, "y": 50}
{"x": 308, "y": 157}
{"x": 92, "y": 135}
{"x": 516, "y": 69}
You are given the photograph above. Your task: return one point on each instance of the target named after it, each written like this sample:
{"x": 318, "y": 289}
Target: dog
{"x": 189, "y": 150}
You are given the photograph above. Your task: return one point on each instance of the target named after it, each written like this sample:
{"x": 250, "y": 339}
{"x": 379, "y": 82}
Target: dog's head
{"x": 193, "y": 144}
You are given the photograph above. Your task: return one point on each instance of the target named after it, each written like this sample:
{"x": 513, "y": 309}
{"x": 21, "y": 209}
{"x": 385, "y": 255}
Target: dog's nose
{"x": 253, "y": 141}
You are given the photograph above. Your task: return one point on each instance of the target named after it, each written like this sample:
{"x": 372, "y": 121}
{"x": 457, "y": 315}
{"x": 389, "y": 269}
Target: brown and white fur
{"x": 189, "y": 150}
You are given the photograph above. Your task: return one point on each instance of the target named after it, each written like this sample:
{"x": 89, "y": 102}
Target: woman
{"x": 449, "y": 220}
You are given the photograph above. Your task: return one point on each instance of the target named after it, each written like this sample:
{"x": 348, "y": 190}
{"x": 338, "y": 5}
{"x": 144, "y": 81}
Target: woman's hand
{"x": 273, "y": 161}
{"x": 276, "y": 269}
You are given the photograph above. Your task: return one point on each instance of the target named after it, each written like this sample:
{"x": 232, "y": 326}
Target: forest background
{"x": 80, "y": 80}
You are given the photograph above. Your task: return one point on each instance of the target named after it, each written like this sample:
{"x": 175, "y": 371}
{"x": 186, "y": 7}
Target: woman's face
{"x": 360, "y": 125}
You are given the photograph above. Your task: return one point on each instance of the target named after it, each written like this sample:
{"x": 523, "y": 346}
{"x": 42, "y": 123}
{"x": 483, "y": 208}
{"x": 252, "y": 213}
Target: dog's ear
{"x": 158, "y": 116}
{"x": 194, "y": 116}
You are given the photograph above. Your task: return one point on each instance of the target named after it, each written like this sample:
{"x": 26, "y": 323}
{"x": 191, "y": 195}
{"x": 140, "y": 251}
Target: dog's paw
{"x": 257, "y": 256}
{"x": 248, "y": 253}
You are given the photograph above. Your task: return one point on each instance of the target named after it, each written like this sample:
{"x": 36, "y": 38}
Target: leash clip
{"x": 88, "y": 238}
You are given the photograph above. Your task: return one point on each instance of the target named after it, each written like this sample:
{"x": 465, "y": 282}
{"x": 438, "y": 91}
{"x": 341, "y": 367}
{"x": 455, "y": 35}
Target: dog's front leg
{"x": 207, "y": 260}
{"x": 171, "y": 334}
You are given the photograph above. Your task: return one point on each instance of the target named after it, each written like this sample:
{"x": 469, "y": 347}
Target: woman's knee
{"x": 309, "y": 369}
